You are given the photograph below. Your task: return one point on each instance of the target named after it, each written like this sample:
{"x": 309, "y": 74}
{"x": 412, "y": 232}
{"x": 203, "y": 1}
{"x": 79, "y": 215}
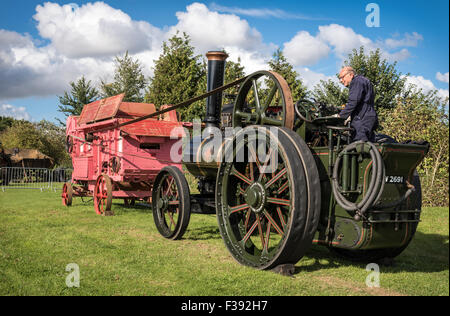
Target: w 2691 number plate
{"x": 395, "y": 179}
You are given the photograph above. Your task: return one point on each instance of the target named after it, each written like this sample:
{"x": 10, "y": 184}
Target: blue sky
{"x": 45, "y": 45}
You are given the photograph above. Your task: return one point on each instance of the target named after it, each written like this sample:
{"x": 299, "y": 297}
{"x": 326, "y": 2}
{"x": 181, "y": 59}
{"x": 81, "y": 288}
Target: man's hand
{"x": 335, "y": 115}
{"x": 347, "y": 120}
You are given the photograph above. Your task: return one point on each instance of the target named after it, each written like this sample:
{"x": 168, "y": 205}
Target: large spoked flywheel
{"x": 267, "y": 197}
{"x": 264, "y": 99}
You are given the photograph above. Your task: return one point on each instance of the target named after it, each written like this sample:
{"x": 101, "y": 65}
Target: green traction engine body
{"x": 313, "y": 186}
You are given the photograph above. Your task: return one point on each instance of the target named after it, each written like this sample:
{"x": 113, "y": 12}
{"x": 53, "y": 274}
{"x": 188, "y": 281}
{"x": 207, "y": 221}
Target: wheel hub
{"x": 163, "y": 202}
{"x": 256, "y": 197}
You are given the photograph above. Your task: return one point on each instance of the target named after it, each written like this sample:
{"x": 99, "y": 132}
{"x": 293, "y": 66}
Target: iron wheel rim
{"x": 256, "y": 232}
{"x": 168, "y": 204}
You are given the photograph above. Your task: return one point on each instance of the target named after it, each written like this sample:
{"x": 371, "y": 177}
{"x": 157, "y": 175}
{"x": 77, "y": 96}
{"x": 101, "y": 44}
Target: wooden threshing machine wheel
{"x": 67, "y": 193}
{"x": 103, "y": 195}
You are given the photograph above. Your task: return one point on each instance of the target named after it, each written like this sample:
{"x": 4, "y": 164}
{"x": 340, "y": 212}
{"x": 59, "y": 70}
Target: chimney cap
{"x": 216, "y": 55}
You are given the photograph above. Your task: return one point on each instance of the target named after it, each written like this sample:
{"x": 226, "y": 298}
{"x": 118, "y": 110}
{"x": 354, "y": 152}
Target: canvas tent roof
{"x": 21, "y": 154}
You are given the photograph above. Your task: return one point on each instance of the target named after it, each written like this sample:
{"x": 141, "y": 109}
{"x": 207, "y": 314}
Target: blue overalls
{"x": 360, "y": 108}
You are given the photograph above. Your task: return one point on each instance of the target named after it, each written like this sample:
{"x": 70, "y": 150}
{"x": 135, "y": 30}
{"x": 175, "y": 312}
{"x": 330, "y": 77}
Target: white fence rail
{"x": 33, "y": 178}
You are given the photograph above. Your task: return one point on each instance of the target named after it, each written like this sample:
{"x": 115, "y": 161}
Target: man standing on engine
{"x": 360, "y": 106}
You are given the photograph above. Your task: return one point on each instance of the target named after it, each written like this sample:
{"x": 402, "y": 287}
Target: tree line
{"x": 405, "y": 112}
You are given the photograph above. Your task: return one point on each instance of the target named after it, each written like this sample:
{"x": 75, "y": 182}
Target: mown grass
{"x": 125, "y": 255}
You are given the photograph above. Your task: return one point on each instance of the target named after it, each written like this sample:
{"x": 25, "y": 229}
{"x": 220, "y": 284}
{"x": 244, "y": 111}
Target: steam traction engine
{"x": 284, "y": 177}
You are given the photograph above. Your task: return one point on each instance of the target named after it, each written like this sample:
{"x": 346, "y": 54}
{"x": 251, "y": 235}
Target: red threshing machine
{"x": 113, "y": 160}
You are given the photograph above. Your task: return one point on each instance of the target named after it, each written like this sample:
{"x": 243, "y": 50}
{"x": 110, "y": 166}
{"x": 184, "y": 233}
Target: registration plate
{"x": 395, "y": 179}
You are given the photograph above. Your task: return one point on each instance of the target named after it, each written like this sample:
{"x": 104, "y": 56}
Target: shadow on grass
{"x": 207, "y": 232}
{"x": 203, "y": 233}
{"x": 426, "y": 253}
{"x": 140, "y": 207}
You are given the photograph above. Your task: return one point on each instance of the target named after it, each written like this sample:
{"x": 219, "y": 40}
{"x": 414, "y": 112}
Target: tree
{"x": 279, "y": 64}
{"x": 53, "y": 138}
{"x": 179, "y": 75}
{"x": 5, "y": 122}
{"x": 330, "y": 93}
{"x": 22, "y": 134}
{"x": 420, "y": 116}
{"x": 128, "y": 78}
{"x": 387, "y": 82}
{"x": 233, "y": 71}
{"x": 43, "y": 136}
{"x": 81, "y": 93}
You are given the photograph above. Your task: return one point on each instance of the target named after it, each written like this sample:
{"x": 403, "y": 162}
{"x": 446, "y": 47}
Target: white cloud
{"x": 262, "y": 12}
{"x": 304, "y": 49}
{"x": 343, "y": 39}
{"x": 82, "y": 41}
{"x": 210, "y": 30}
{"x": 18, "y": 113}
{"x": 442, "y": 77}
{"x": 251, "y": 60}
{"x": 409, "y": 40}
{"x": 93, "y": 30}
{"x": 27, "y": 70}
{"x": 311, "y": 78}
{"x": 426, "y": 85}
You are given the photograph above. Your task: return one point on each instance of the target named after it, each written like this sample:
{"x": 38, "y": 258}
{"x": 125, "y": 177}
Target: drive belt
{"x": 179, "y": 105}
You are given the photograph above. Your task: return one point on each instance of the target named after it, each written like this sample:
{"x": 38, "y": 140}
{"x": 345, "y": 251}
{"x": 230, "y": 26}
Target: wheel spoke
{"x": 240, "y": 176}
{"x": 270, "y": 97}
{"x": 171, "y": 220}
{"x": 280, "y": 215}
{"x": 271, "y": 121}
{"x": 261, "y": 235}
{"x": 169, "y": 185}
{"x": 263, "y": 169}
{"x": 283, "y": 187}
{"x": 249, "y": 117}
{"x": 278, "y": 201}
{"x": 266, "y": 244}
{"x": 238, "y": 208}
{"x": 275, "y": 178}
{"x": 247, "y": 236}
{"x": 255, "y": 90}
{"x": 272, "y": 221}
{"x": 252, "y": 176}
{"x": 247, "y": 219}
{"x": 255, "y": 156}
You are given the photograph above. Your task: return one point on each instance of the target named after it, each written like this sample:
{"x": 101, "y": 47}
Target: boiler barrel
{"x": 202, "y": 157}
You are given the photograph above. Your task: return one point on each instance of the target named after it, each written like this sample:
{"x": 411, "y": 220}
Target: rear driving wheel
{"x": 171, "y": 203}
{"x": 266, "y": 201}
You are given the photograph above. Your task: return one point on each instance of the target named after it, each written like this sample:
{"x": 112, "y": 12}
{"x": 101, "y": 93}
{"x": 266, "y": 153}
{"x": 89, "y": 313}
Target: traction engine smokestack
{"x": 216, "y": 73}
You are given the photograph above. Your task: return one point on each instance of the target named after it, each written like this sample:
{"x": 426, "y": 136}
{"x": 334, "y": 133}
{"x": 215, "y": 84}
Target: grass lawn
{"x": 125, "y": 255}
